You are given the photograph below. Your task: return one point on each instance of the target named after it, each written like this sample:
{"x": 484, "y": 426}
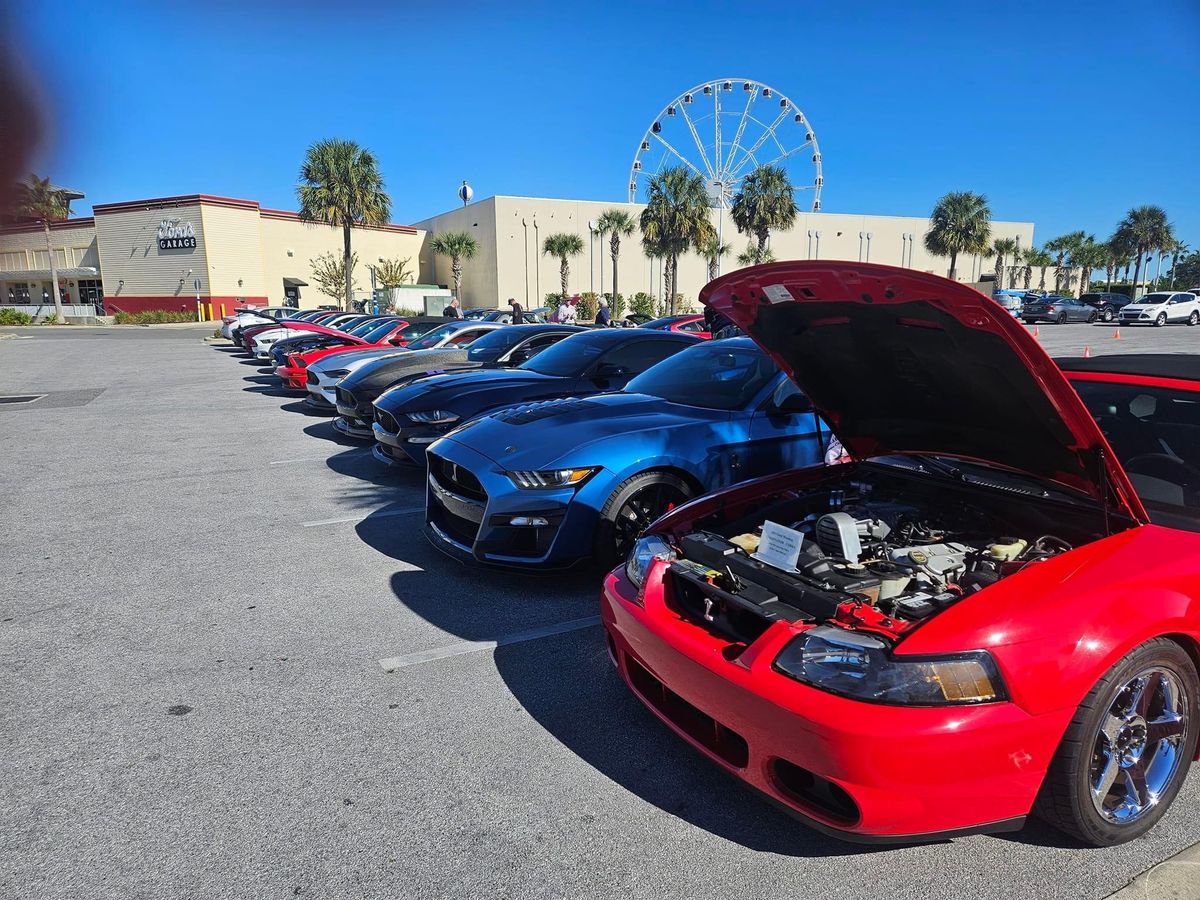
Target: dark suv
{"x": 1109, "y": 305}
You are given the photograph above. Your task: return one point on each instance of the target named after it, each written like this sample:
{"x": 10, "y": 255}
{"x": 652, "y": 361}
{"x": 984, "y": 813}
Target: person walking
{"x": 518, "y": 313}
{"x": 603, "y": 317}
{"x": 566, "y": 312}
{"x": 452, "y": 311}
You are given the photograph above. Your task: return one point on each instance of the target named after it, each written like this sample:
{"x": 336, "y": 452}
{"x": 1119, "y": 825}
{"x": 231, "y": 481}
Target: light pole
{"x": 537, "y": 266}
{"x": 869, "y": 236}
{"x": 374, "y": 301}
{"x": 1158, "y": 270}
{"x": 592, "y": 255}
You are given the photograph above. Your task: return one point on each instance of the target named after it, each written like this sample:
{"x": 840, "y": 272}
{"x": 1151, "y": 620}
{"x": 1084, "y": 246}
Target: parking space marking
{"x": 464, "y": 647}
{"x": 378, "y": 515}
{"x": 300, "y": 459}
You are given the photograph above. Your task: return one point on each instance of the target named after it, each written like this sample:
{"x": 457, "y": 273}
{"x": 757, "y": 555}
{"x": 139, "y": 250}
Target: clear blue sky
{"x": 1065, "y": 114}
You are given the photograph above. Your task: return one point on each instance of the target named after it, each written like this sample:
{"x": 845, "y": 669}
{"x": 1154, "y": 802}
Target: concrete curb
{"x": 1177, "y": 878}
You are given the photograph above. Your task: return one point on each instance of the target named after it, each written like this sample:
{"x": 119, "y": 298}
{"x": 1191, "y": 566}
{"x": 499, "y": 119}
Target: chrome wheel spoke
{"x": 1108, "y": 777}
{"x": 1167, "y": 728}
{"x": 1135, "y": 785}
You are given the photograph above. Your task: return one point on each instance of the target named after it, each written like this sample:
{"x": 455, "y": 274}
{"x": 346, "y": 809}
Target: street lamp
{"x": 592, "y": 255}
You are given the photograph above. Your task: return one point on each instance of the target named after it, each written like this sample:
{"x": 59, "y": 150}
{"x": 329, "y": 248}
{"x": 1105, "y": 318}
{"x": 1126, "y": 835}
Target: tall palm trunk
{"x": 564, "y": 270}
{"x": 346, "y": 266}
{"x": 999, "y": 271}
{"x": 953, "y": 265}
{"x": 1042, "y": 280}
{"x": 713, "y": 265}
{"x": 59, "y": 318}
{"x": 614, "y": 246}
{"x": 456, "y": 271}
{"x": 1137, "y": 271}
{"x": 1028, "y": 274}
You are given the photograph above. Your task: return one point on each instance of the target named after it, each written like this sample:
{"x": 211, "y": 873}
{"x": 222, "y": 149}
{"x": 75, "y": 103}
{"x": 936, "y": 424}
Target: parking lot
{"x": 235, "y": 668}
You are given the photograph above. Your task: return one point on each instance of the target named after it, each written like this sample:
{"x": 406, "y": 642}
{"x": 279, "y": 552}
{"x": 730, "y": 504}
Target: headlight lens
{"x": 337, "y": 373}
{"x": 645, "y": 551}
{"x": 433, "y": 417}
{"x": 550, "y": 479}
{"x": 862, "y": 667}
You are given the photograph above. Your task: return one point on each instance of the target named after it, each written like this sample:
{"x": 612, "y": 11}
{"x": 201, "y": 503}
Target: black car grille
{"x": 386, "y": 421}
{"x": 456, "y": 479}
{"x": 312, "y": 378}
{"x": 535, "y": 412}
{"x": 345, "y": 398}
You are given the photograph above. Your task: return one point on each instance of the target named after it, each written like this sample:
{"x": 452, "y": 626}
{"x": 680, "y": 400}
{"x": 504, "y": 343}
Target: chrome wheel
{"x": 1139, "y": 746}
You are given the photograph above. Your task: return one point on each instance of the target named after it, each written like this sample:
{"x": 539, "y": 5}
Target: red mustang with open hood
{"x": 975, "y": 619}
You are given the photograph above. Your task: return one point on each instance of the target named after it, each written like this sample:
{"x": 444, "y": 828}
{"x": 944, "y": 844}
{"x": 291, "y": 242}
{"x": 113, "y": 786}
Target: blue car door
{"x": 784, "y": 433}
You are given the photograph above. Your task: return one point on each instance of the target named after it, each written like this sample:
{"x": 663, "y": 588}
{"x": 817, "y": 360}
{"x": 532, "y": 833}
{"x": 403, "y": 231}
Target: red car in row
{"x": 992, "y": 611}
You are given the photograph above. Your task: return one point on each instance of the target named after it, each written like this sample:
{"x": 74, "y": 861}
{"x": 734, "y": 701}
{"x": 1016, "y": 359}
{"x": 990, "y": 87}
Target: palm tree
{"x": 1060, "y": 247}
{"x": 1177, "y": 249}
{"x": 615, "y": 223}
{"x": 1002, "y": 248}
{"x": 676, "y": 217}
{"x": 1088, "y": 256}
{"x": 342, "y": 186}
{"x": 45, "y": 203}
{"x": 751, "y": 257}
{"x": 712, "y": 250}
{"x": 1145, "y": 228}
{"x": 458, "y": 245}
{"x": 959, "y": 223}
{"x": 1119, "y": 252}
{"x": 563, "y": 246}
{"x": 766, "y": 201}
{"x": 1036, "y": 256}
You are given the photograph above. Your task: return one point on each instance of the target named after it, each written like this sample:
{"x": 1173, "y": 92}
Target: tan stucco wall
{"x": 234, "y": 252}
{"x": 128, "y": 244}
{"x": 73, "y": 245}
{"x": 289, "y": 245}
{"x": 500, "y": 270}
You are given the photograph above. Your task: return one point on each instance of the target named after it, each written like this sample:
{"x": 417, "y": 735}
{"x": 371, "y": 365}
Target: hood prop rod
{"x": 1105, "y": 488}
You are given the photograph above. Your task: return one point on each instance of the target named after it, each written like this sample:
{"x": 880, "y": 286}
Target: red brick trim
{"x": 181, "y": 303}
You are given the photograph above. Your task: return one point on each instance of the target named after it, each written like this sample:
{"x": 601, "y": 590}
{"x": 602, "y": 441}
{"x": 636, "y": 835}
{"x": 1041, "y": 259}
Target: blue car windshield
{"x": 434, "y": 337}
{"x": 711, "y": 376}
{"x": 377, "y": 333}
{"x": 568, "y": 357}
{"x": 495, "y": 344}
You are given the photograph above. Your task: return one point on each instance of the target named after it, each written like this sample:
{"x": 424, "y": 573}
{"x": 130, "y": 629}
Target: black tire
{"x": 1107, "y": 315}
{"x": 635, "y": 503}
{"x": 1065, "y": 800}
{"x": 1161, "y": 320}
{"x": 1194, "y": 318}
{"x": 1061, "y": 320}
{"x": 1091, "y": 318}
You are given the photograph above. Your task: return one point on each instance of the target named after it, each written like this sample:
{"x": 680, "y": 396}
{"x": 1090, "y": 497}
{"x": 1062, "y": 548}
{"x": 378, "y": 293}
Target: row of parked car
{"x": 1156, "y": 308}
{"x": 990, "y": 572}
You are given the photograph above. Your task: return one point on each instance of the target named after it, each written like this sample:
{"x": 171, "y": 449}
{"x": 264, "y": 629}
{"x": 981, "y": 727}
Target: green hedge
{"x": 14, "y": 317}
{"x": 153, "y": 317}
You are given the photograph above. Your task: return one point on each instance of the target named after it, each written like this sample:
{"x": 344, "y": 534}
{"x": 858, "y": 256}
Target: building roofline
{"x": 165, "y": 202}
{"x": 295, "y": 216}
{"x": 31, "y": 227}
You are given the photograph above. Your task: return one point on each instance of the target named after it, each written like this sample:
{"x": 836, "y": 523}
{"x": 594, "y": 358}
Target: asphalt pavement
{"x": 199, "y": 584}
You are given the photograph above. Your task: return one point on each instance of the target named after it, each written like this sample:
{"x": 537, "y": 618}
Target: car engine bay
{"x": 878, "y": 555}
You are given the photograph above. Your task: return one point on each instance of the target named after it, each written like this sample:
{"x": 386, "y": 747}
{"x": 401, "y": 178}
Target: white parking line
{"x": 358, "y": 518}
{"x": 300, "y": 459}
{"x": 463, "y": 647}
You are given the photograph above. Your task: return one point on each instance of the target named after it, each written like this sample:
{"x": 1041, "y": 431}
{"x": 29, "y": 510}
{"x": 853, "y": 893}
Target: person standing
{"x": 566, "y": 313}
{"x": 452, "y": 311}
{"x": 518, "y": 313}
{"x": 602, "y": 315}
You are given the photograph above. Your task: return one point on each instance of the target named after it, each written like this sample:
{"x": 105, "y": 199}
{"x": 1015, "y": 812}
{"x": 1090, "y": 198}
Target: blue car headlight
{"x": 861, "y": 666}
{"x": 549, "y": 479}
{"x": 644, "y": 552}
{"x": 433, "y": 417}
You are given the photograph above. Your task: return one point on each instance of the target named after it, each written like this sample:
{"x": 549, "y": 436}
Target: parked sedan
{"x": 249, "y": 315}
{"x": 1162, "y": 308}
{"x": 980, "y": 591}
{"x": 411, "y": 417}
{"x": 1108, "y": 304}
{"x": 499, "y": 349}
{"x": 1058, "y": 310}
{"x": 324, "y": 376}
{"x": 548, "y": 485}
{"x": 685, "y": 324}
{"x": 368, "y": 331}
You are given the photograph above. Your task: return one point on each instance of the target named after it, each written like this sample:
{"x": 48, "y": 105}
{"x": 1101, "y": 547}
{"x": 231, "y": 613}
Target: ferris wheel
{"x": 722, "y": 130}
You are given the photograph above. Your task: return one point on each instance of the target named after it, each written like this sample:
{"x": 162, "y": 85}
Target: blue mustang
{"x": 550, "y": 484}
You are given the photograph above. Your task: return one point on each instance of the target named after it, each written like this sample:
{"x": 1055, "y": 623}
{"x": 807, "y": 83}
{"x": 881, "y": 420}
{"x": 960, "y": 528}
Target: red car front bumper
{"x": 865, "y": 772}
{"x": 294, "y": 378}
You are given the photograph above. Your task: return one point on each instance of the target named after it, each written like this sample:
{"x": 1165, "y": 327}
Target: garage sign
{"x": 176, "y": 235}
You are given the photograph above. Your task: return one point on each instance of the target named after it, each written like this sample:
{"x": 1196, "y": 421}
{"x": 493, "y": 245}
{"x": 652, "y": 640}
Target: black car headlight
{"x": 861, "y": 666}
{"x": 433, "y": 417}
{"x": 644, "y": 552}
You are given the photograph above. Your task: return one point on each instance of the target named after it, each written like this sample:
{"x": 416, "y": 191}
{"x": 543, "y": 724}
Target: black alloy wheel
{"x": 1091, "y": 318}
{"x": 1062, "y": 318}
{"x": 631, "y": 508}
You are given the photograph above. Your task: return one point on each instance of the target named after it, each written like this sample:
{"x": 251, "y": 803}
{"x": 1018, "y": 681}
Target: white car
{"x": 324, "y": 374}
{"x": 244, "y": 317}
{"x": 1162, "y": 307}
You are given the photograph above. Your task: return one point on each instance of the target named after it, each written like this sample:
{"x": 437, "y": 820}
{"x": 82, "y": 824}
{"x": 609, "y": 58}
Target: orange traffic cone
{"x": 1117, "y": 334}
{"x": 1087, "y": 352}
{"x": 1037, "y": 332}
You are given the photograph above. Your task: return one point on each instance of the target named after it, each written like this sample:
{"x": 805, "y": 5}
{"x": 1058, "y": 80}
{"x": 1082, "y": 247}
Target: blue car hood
{"x": 574, "y": 430}
{"x": 469, "y": 391}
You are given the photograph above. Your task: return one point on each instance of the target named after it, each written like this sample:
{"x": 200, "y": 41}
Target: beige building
{"x": 510, "y": 232}
{"x": 179, "y": 252}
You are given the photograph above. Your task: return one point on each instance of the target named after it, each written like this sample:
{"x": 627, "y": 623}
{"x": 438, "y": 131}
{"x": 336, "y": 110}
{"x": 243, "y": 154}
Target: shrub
{"x": 617, "y": 306}
{"x": 407, "y": 313}
{"x": 153, "y": 317}
{"x": 553, "y": 299}
{"x": 643, "y": 304}
{"x": 14, "y": 317}
{"x": 588, "y": 302}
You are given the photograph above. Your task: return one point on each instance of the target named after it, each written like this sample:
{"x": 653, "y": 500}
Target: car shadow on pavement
{"x": 567, "y": 683}
{"x": 356, "y": 461}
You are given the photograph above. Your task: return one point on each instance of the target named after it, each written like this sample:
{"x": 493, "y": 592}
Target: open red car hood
{"x": 899, "y": 361}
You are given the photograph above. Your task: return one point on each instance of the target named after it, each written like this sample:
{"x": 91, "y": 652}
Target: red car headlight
{"x": 862, "y": 667}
